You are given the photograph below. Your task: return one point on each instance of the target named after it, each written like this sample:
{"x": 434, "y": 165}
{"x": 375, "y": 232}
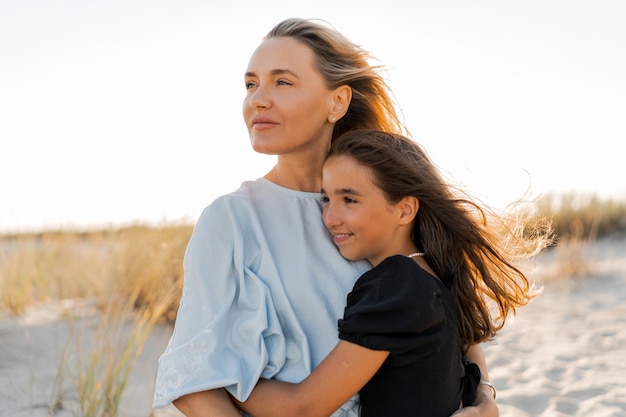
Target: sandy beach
{"x": 563, "y": 355}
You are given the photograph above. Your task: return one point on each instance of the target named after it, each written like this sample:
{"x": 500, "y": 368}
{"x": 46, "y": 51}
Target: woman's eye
{"x": 349, "y": 200}
{"x": 283, "y": 82}
{"x": 325, "y": 199}
{"x": 250, "y": 85}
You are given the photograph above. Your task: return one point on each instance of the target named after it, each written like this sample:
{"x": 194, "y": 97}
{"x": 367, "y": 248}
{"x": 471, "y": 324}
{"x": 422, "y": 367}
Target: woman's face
{"x": 363, "y": 224}
{"x": 287, "y": 103}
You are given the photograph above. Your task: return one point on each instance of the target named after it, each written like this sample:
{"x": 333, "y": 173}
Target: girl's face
{"x": 363, "y": 224}
{"x": 287, "y": 103}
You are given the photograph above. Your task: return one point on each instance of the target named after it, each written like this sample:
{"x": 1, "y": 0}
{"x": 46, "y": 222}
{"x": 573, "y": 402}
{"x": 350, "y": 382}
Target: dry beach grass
{"x": 84, "y": 316}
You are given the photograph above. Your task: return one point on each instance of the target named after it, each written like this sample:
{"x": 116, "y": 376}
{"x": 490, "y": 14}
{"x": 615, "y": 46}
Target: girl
{"x": 436, "y": 264}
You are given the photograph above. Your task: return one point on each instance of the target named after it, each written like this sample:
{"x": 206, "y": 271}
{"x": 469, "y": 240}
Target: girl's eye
{"x": 349, "y": 200}
{"x": 283, "y": 82}
{"x": 249, "y": 85}
{"x": 325, "y": 199}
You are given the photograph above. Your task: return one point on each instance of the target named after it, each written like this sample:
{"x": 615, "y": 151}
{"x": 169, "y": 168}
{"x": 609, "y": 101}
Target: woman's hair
{"x": 341, "y": 62}
{"x": 470, "y": 248}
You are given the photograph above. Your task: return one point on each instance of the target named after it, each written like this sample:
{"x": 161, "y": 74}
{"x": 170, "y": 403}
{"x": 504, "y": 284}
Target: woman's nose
{"x": 259, "y": 98}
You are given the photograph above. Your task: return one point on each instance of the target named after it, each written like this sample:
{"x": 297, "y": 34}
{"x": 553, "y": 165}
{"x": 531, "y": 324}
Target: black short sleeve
{"x": 396, "y": 306}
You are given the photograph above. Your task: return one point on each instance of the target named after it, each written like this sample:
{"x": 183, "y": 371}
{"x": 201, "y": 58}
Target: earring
{"x": 332, "y": 119}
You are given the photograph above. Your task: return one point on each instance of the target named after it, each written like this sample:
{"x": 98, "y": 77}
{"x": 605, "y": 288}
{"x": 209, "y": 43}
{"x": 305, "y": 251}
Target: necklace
{"x": 414, "y": 254}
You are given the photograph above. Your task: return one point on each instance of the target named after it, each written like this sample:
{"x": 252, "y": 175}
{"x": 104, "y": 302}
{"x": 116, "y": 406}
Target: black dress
{"x": 399, "y": 307}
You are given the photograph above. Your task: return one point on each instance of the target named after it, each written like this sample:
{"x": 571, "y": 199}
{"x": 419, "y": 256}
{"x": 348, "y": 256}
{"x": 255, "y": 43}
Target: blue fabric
{"x": 264, "y": 288}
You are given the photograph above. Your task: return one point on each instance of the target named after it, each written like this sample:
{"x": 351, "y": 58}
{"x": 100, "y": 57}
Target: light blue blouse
{"x": 264, "y": 287}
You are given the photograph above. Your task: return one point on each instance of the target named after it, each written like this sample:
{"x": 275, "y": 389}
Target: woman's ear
{"x": 408, "y": 209}
{"x": 341, "y": 98}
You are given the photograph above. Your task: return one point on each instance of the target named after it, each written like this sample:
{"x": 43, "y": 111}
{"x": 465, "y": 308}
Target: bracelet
{"x": 490, "y": 385}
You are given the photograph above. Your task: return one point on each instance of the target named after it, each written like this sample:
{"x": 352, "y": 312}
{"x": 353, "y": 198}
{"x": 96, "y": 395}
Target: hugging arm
{"x": 211, "y": 403}
{"x": 485, "y": 405}
{"x": 341, "y": 375}
{"x": 345, "y": 370}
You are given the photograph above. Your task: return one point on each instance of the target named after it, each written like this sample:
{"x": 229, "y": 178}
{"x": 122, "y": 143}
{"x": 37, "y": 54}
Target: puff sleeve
{"x": 397, "y": 307}
{"x": 227, "y": 332}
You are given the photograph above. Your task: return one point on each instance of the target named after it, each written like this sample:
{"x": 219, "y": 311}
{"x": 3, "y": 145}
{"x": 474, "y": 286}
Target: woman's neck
{"x": 301, "y": 169}
{"x": 307, "y": 178}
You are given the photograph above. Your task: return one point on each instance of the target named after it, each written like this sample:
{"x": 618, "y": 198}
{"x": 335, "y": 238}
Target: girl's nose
{"x": 329, "y": 216}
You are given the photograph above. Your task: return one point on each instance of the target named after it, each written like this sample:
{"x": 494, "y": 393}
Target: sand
{"x": 563, "y": 355}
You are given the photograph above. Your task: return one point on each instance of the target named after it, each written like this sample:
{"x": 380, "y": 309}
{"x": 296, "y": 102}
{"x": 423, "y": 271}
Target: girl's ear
{"x": 342, "y": 96}
{"x": 408, "y": 209}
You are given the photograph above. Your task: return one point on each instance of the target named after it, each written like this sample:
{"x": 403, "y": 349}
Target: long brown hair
{"x": 470, "y": 248}
{"x": 342, "y": 62}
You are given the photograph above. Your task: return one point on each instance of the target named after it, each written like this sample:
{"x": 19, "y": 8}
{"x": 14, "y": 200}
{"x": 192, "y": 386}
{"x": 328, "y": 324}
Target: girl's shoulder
{"x": 399, "y": 271}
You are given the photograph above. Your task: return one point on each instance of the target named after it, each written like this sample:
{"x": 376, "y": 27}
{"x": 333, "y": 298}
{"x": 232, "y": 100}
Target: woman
{"x": 264, "y": 284}
{"x": 436, "y": 262}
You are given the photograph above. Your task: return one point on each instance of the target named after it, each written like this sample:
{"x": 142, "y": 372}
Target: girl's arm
{"x": 211, "y": 403}
{"x": 345, "y": 370}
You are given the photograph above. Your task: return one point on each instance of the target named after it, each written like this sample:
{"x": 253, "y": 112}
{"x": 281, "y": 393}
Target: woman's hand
{"x": 485, "y": 405}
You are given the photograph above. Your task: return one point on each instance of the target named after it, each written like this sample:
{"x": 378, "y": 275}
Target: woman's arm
{"x": 211, "y": 403}
{"x": 485, "y": 405}
{"x": 476, "y": 355}
{"x": 345, "y": 370}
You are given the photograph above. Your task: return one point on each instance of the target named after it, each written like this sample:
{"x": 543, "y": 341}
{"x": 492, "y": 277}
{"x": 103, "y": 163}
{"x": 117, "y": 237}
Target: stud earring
{"x": 332, "y": 119}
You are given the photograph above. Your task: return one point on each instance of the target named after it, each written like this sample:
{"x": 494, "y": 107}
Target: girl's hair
{"x": 341, "y": 62}
{"x": 470, "y": 248}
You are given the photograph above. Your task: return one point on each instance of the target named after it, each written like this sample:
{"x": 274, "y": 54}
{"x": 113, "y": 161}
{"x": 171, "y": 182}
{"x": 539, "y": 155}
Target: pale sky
{"x": 122, "y": 111}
